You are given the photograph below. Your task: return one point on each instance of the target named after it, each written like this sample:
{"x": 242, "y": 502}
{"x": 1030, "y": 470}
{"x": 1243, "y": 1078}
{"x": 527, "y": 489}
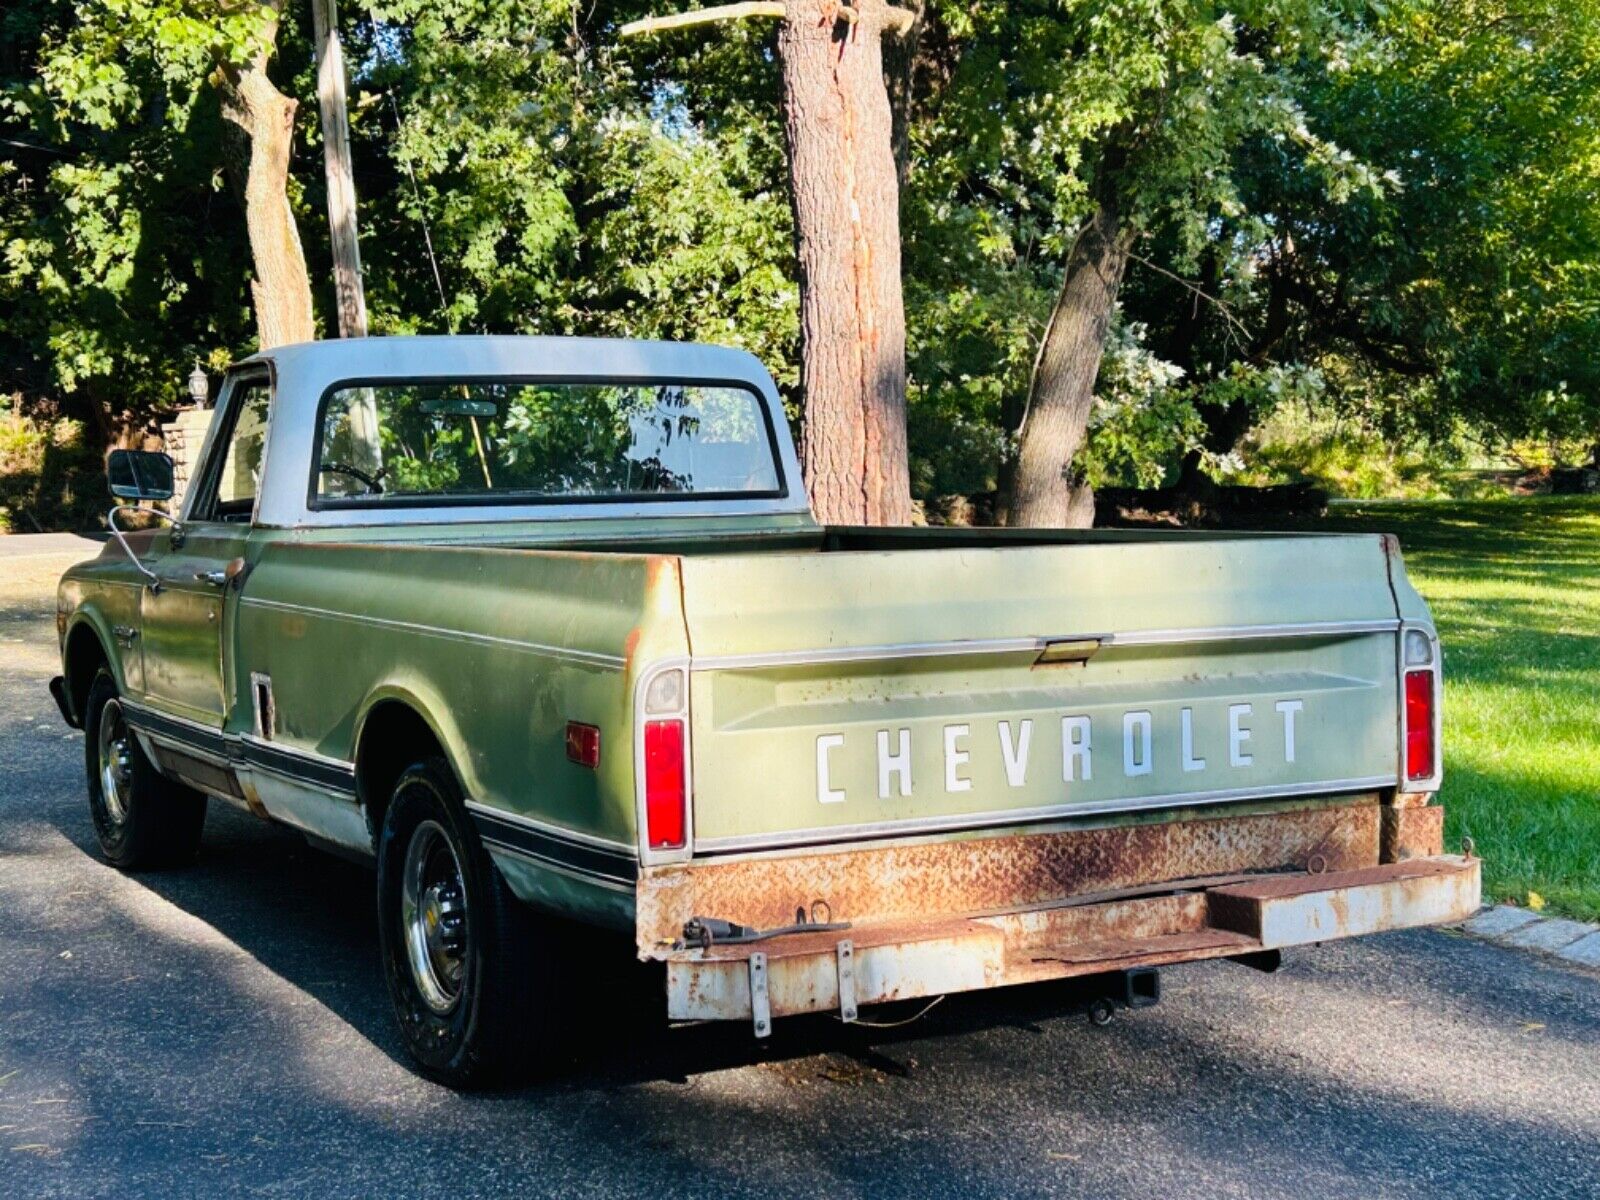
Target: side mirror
{"x": 140, "y": 475}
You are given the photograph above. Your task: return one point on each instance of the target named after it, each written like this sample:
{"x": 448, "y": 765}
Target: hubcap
{"x": 433, "y": 910}
{"x": 116, "y": 762}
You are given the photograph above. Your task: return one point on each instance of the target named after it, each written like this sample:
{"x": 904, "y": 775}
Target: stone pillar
{"x": 184, "y": 436}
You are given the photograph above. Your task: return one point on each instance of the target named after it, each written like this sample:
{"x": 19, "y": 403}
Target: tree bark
{"x": 1062, "y": 389}
{"x": 260, "y": 122}
{"x": 845, "y": 192}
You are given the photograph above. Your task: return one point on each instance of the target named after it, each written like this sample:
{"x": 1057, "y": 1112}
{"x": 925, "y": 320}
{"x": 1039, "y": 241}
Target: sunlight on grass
{"x": 1515, "y": 589}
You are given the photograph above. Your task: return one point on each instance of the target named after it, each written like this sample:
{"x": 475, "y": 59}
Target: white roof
{"x": 317, "y": 365}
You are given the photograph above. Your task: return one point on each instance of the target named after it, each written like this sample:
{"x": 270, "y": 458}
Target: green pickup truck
{"x": 545, "y": 626}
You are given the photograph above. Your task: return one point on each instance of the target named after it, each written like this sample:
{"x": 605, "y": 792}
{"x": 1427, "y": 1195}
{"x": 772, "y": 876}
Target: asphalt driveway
{"x": 224, "y": 1030}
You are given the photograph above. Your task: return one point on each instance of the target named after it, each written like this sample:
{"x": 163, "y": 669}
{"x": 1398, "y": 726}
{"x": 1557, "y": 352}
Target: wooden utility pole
{"x": 350, "y": 295}
{"x": 845, "y": 191}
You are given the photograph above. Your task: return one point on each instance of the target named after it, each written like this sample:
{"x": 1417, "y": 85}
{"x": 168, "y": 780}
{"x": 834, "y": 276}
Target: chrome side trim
{"x": 961, "y": 822}
{"x": 558, "y": 831}
{"x": 182, "y": 733}
{"x": 1035, "y": 645}
{"x": 610, "y": 662}
{"x": 310, "y": 756}
{"x": 233, "y": 751}
{"x": 496, "y": 847}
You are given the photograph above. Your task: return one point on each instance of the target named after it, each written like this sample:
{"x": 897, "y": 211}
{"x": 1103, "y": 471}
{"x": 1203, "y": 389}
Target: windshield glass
{"x": 493, "y": 440}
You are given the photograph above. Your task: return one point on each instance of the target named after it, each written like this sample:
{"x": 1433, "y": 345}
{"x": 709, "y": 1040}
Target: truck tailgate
{"x": 860, "y": 695}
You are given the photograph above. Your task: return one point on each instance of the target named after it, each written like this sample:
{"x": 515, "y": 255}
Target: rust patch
{"x": 1410, "y": 833}
{"x": 629, "y": 645}
{"x": 998, "y": 873}
{"x": 1111, "y": 950}
{"x": 1294, "y": 911}
{"x": 1281, "y": 886}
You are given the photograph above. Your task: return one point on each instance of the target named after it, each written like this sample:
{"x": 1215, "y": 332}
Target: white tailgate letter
{"x": 1015, "y": 754}
{"x": 1238, "y": 735}
{"x": 898, "y": 765}
{"x": 825, "y": 794}
{"x": 954, "y": 758}
{"x": 1288, "y": 708}
{"x": 1190, "y": 762}
{"x": 1076, "y": 748}
{"x": 1142, "y": 765}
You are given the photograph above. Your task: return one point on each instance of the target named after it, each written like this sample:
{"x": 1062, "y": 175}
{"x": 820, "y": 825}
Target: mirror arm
{"x": 151, "y": 578}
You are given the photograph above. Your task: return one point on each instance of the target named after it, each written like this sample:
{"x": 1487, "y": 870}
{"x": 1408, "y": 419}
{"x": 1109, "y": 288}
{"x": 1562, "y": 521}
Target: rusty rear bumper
{"x": 908, "y": 958}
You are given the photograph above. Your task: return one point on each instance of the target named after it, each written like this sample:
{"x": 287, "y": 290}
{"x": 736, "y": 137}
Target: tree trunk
{"x": 260, "y": 121}
{"x": 1064, "y": 373}
{"x": 847, "y": 228}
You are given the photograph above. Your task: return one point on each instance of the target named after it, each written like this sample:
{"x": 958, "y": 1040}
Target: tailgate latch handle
{"x": 1067, "y": 652}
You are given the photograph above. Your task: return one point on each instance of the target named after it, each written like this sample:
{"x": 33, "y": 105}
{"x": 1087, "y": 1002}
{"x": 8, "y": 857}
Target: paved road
{"x": 224, "y": 1030}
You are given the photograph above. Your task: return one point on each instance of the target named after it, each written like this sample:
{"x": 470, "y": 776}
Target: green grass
{"x": 1515, "y": 588}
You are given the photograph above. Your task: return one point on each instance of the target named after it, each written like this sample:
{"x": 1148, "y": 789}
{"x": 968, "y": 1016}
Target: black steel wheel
{"x": 468, "y": 964}
{"x": 141, "y": 819}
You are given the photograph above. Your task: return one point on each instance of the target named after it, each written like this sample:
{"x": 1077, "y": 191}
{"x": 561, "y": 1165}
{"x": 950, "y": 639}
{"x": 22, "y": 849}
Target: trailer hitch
{"x": 1135, "y": 987}
{"x": 705, "y": 932}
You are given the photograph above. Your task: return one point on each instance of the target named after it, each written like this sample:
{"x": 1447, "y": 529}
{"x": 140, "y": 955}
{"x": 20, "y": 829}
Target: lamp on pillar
{"x": 199, "y": 385}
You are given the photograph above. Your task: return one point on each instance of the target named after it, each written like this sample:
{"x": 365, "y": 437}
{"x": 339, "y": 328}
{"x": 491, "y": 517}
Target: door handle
{"x": 234, "y": 572}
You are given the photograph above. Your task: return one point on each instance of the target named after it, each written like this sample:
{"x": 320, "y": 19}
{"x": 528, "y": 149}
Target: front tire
{"x": 141, "y": 819}
{"x": 460, "y": 952}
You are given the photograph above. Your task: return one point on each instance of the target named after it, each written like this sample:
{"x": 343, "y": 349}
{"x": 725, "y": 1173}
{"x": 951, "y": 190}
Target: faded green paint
{"x": 775, "y": 714}
{"x": 498, "y": 649}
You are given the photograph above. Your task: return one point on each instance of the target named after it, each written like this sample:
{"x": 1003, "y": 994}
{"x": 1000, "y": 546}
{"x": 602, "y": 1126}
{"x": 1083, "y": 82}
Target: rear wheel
{"x": 468, "y": 964}
{"x": 141, "y": 819}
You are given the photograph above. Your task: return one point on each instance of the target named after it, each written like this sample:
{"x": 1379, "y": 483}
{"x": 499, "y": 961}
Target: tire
{"x": 462, "y": 955}
{"x": 141, "y": 819}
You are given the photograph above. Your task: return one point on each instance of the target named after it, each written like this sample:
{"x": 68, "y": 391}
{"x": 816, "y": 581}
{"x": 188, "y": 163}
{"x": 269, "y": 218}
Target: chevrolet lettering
{"x": 1009, "y": 754}
{"x": 544, "y": 630}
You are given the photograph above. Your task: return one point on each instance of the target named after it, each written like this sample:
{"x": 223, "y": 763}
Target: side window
{"x": 230, "y": 491}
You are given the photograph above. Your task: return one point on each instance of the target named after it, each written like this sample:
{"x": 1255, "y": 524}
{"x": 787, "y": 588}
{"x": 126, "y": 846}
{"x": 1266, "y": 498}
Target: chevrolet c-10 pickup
{"x": 545, "y": 628}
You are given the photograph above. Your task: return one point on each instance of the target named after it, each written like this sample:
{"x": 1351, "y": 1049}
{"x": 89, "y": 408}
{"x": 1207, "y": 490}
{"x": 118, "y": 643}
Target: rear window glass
{"x": 493, "y": 440}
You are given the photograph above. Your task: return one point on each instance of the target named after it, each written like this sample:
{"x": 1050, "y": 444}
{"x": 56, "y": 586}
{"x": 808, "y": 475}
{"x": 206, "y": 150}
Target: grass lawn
{"x": 1515, "y": 588}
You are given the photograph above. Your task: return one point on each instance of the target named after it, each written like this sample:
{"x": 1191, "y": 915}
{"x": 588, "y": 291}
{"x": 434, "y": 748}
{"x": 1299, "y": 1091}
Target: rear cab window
{"x": 486, "y": 441}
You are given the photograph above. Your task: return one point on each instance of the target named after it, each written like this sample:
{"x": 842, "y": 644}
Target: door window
{"x": 230, "y": 492}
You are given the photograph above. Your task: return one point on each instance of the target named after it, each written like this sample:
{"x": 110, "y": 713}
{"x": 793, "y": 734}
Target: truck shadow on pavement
{"x": 308, "y": 917}
{"x": 1230, "y": 1087}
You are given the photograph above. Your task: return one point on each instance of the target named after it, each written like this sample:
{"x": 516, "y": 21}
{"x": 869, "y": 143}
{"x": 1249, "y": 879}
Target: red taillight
{"x": 1419, "y": 725}
{"x": 663, "y": 784}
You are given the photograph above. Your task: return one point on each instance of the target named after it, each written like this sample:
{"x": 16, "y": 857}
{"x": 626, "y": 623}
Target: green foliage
{"x": 1042, "y": 111}
{"x": 561, "y": 193}
{"x": 1347, "y": 459}
{"x": 1141, "y": 417}
{"x": 119, "y": 247}
{"x": 48, "y": 478}
{"x": 1388, "y": 215}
